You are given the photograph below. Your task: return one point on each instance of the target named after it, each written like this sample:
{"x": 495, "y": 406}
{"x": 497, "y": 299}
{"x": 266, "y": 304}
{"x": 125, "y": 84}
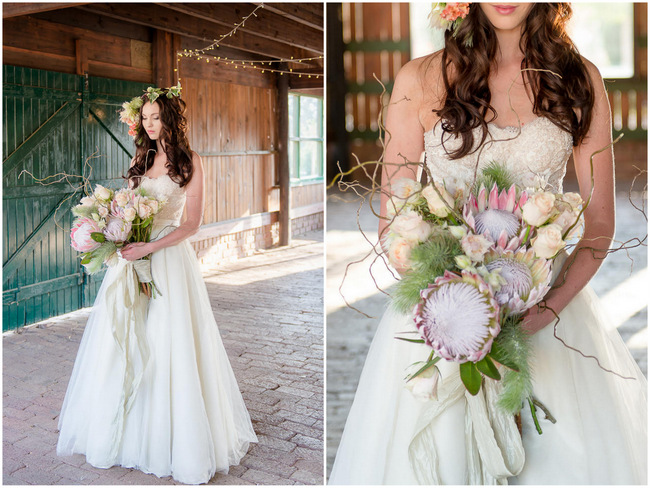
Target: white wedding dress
{"x": 160, "y": 395}
{"x": 600, "y": 432}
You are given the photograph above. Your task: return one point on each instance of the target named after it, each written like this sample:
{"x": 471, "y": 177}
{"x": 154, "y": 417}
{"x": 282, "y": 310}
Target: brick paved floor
{"x": 622, "y": 283}
{"x": 269, "y": 308}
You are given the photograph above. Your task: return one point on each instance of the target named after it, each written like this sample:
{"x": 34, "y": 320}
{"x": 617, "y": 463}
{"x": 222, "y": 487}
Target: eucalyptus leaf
{"x": 471, "y": 377}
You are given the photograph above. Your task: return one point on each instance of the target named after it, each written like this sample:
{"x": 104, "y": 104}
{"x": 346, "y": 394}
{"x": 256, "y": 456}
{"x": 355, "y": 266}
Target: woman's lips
{"x": 505, "y": 9}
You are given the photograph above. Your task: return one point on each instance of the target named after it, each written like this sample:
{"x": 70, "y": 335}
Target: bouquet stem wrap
{"x": 493, "y": 443}
{"x": 127, "y": 315}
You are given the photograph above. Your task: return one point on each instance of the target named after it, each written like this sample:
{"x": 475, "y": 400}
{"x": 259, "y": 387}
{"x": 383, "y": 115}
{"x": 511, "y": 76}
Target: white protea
{"x": 497, "y": 216}
{"x": 527, "y": 278}
{"x": 458, "y": 317}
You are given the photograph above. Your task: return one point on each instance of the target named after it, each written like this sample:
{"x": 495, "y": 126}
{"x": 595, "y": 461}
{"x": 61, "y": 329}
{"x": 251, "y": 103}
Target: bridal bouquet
{"x": 106, "y": 221}
{"x": 472, "y": 266}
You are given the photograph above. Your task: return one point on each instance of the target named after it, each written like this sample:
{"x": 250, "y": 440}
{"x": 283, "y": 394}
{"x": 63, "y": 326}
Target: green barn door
{"x": 52, "y": 122}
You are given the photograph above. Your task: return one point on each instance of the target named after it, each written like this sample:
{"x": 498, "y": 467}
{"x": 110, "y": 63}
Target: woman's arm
{"x": 599, "y": 215}
{"x": 194, "y": 193}
{"x": 404, "y": 140}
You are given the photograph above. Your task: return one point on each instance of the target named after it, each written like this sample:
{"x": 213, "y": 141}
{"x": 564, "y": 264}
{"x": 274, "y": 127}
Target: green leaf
{"x": 417, "y": 341}
{"x": 427, "y": 365}
{"x": 85, "y": 259}
{"x": 471, "y": 377}
{"x": 487, "y": 367}
{"x": 97, "y": 237}
{"x": 500, "y": 355}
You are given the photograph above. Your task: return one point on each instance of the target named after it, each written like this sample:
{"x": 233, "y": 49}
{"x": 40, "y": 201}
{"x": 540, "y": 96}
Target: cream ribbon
{"x": 127, "y": 316}
{"x": 493, "y": 444}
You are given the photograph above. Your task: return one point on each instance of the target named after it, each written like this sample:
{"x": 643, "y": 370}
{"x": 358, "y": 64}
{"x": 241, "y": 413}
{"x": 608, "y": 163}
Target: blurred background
{"x": 374, "y": 40}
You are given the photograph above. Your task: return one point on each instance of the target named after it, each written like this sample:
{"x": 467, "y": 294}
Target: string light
{"x": 200, "y": 54}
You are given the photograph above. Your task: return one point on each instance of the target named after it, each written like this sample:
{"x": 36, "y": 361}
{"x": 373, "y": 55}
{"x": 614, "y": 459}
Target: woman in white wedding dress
{"x": 466, "y": 106}
{"x": 158, "y": 395}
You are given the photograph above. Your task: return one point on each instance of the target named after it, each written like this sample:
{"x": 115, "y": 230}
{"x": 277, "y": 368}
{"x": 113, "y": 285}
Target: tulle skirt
{"x": 161, "y": 397}
{"x": 599, "y": 437}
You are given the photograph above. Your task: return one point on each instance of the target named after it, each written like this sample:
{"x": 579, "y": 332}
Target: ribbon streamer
{"x": 494, "y": 448}
{"x": 127, "y": 315}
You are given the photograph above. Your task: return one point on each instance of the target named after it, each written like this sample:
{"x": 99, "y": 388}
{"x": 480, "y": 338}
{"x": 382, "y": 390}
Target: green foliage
{"x": 83, "y": 211}
{"x": 493, "y": 173}
{"x": 430, "y": 260}
{"x": 97, "y": 237}
{"x": 488, "y": 368}
{"x": 514, "y": 346}
{"x": 96, "y": 258}
{"x": 471, "y": 377}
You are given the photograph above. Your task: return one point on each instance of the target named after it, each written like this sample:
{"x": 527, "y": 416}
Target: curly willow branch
{"x": 84, "y": 184}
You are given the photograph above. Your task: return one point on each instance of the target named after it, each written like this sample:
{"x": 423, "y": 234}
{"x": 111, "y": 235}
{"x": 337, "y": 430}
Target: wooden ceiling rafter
{"x": 202, "y": 29}
{"x": 16, "y": 9}
{"x": 309, "y": 14}
{"x": 265, "y": 24}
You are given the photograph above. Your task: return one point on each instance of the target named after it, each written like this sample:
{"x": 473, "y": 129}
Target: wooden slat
{"x": 24, "y": 8}
{"x": 40, "y": 288}
{"x": 203, "y": 29}
{"x": 37, "y": 137}
{"x": 265, "y": 24}
{"x": 310, "y": 14}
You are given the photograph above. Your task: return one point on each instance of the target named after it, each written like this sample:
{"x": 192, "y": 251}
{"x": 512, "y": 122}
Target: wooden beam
{"x": 81, "y": 56}
{"x": 190, "y": 26}
{"x": 165, "y": 47}
{"x": 283, "y": 159}
{"x": 17, "y": 9}
{"x": 266, "y": 24}
{"x": 310, "y": 14}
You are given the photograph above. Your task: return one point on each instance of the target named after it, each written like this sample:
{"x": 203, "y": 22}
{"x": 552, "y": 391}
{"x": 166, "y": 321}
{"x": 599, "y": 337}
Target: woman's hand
{"x": 136, "y": 250}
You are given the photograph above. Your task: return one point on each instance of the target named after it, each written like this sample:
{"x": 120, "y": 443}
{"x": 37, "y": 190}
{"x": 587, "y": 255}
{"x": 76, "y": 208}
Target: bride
{"x": 160, "y": 396}
{"x": 465, "y": 106}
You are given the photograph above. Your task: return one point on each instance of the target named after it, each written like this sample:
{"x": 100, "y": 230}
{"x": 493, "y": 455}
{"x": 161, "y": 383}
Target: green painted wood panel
{"x": 51, "y": 123}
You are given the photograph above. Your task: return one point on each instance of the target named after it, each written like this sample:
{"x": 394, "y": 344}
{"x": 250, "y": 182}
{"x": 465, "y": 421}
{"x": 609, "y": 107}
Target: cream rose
{"x": 87, "y": 201}
{"x": 475, "y": 246}
{"x": 438, "y": 206}
{"x": 102, "y": 211}
{"x": 122, "y": 199}
{"x": 424, "y": 386}
{"x": 399, "y": 253}
{"x": 573, "y": 199}
{"x": 566, "y": 219}
{"x": 102, "y": 193}
{"x": 129, "y": 214}
{"x": 538, "y": 209}
{"x": 548, "y": 241}
{"x": 144, "y": 211}
{"x": 410, "y": 225}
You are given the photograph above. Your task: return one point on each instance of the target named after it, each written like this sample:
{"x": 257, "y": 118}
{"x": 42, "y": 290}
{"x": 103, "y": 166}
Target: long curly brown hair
{"x": 567, "y": 101}
{"x": 177, "y": 147}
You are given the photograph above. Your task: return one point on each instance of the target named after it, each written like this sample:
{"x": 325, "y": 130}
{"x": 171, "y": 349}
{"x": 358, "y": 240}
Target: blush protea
{"x": 496, "y": 215}
{"x": 81, "y": 235}
{"x": 527, "y": 278}
{"x": 458, "y": 317}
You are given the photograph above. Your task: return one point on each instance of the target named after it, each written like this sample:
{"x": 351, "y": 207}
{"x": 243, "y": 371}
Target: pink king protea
{"x": 497, "y": 216}
{"x": 458, "y": 317}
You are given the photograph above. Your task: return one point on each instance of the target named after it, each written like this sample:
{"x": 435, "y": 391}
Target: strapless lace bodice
{"x": 536, "y": 155}
{"x": 164, "y": 188}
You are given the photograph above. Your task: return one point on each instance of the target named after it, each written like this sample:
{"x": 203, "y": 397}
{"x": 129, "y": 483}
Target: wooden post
{"x": 81, "y": 52}
{"x": 165, "y": 46}
{"x": 283, "y": 157}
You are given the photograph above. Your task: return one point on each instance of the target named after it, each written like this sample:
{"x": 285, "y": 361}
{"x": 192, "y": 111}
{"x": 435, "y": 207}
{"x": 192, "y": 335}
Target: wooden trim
{"x": 242, "y": 224}
{"x": 305, "y": 210}
{"x": 25, "y": 8}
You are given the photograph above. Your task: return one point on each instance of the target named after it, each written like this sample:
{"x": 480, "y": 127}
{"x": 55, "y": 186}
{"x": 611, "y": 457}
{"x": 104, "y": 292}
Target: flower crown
{"x": 130, "y": 113}
{"x": 449, "y": 16}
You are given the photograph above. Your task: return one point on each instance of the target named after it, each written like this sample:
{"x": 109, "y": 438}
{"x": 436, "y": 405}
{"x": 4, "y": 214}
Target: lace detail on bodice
{"x": 164, "y": 188}
{"x": 536, "y": 156}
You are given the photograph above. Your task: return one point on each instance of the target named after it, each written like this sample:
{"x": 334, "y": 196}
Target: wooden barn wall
{"x": 36, "y": 42}
{"x": 232, "y": 127}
